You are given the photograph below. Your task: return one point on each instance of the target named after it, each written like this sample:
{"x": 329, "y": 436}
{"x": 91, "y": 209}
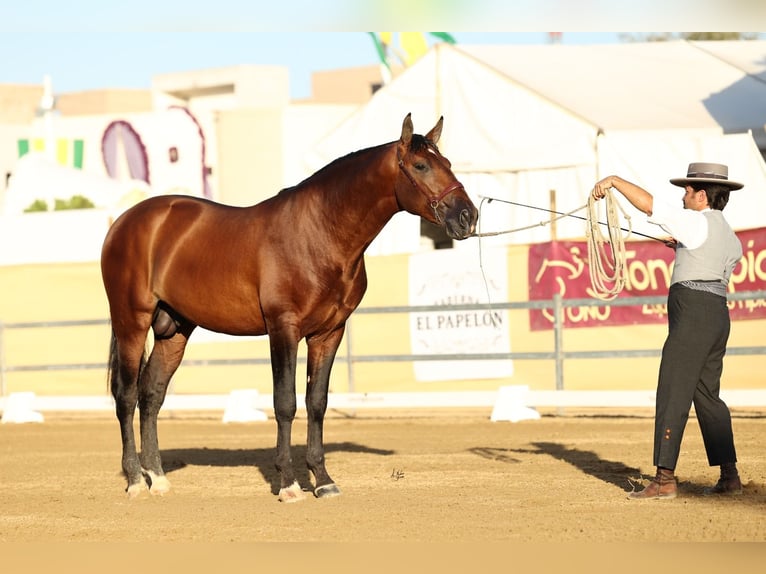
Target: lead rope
{"x": 606, "y": 267}
{"x": 479, "y": 234}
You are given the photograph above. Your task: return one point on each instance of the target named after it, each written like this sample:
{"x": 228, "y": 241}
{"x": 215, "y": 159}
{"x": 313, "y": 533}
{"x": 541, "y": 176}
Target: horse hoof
{"x": 159, "y": 484}
{"x": 135, "y": 489}
{"x": 327, "y": 491}
{"x": 292, "y": 493}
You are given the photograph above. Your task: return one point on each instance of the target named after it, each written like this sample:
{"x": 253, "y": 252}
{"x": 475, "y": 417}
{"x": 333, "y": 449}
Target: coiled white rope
{"x": 606, "y": 252}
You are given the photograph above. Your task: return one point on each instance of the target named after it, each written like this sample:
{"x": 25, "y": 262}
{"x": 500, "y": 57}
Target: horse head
{"x": 427, "y": 187}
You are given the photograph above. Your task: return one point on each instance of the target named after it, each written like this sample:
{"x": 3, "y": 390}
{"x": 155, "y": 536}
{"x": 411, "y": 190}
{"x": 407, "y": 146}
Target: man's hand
{"x": 602, "y": 187}
{"x": 671, "y": 242}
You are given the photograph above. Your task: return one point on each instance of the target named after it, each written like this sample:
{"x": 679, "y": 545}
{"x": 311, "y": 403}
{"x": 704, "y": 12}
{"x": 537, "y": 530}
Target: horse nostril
{"x": 465, "y": 219}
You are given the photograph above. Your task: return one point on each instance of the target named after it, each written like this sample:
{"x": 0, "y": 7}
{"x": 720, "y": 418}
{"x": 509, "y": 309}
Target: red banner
{"x": 562, "y": 267}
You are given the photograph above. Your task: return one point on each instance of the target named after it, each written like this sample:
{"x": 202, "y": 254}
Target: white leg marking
{"x": 135, "y": 489}
{"x": 292, "y": 493}
{"x": 160, "y": 484}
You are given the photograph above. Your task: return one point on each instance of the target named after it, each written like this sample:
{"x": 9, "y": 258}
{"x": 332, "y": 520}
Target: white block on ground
{"x": 18, "y": 409}
{"x": 511, "y": 405}
{"x": 241, "y": 407}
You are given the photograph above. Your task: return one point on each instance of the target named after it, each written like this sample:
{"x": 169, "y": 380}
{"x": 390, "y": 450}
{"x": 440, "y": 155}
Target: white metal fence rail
{"x": 557, "y": 354}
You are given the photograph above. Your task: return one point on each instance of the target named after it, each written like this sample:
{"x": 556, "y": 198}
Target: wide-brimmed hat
{"x": 707, "y": 173}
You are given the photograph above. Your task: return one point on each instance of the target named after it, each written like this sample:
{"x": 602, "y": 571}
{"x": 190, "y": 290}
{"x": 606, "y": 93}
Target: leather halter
{"x": 433, "y": 200}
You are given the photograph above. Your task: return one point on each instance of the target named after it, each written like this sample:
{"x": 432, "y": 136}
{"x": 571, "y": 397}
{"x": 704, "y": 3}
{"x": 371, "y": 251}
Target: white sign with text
{"x": 455, "y": 277}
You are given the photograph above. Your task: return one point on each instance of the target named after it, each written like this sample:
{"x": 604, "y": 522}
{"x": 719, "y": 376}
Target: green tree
{"x": 74, "y": 202}
{"x": 37, "y": 205}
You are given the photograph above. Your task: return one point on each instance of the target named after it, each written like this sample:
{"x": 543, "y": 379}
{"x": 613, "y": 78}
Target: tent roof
{"x": 654, "y": 85}
{"x": 519, "y": 106}
{"x": 521, "y": 121}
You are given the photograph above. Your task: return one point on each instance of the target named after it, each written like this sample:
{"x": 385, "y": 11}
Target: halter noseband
{"x": 435, "y": 200}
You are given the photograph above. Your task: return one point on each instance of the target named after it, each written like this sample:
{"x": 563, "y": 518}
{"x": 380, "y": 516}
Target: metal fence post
{"x": 349, "y": 357}
{"x": 558, "y": 340}
{"x": 2, "y": 360}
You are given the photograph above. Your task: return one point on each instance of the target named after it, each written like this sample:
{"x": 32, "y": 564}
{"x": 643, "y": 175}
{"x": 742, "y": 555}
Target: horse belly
{"x": 216, "y": 306}
{"x": 229, "y": 326}
{"x": 211, "y": 289}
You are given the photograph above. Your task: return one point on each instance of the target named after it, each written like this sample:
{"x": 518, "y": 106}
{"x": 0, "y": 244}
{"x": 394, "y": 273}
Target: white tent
{"x": 521, "y": 121}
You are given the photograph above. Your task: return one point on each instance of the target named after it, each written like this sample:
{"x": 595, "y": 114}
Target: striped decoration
{"x": 67, "y": 152}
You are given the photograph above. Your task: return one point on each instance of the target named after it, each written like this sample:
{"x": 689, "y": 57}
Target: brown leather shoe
{"x": 662, "y": 486}
{"x": 731, "y": 486}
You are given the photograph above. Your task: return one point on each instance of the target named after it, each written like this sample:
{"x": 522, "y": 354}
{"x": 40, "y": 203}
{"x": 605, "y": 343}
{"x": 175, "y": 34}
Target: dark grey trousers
{"x": 690, "y": 372}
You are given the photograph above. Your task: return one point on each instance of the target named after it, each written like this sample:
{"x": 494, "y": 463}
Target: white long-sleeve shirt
{"x": 707, "y": 248}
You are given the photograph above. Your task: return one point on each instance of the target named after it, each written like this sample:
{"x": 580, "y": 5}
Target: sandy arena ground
{"x": 411, "y": 476}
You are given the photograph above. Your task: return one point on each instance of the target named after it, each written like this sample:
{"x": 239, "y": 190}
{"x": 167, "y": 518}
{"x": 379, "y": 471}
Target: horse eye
{"x": 420, "y": 166}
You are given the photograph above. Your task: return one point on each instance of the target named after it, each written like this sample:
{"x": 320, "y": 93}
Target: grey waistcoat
{"x": 709, "y": 266}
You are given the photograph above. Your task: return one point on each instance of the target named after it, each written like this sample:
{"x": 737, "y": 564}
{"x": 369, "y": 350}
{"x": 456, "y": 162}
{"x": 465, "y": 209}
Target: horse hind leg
{"x": 125, "y": 365}
{"x": 163, "y": 362}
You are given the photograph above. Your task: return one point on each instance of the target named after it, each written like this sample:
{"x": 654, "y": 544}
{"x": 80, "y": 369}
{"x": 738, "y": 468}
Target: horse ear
{"x": 436, "y": 132}
{"x": 407, "y": 130}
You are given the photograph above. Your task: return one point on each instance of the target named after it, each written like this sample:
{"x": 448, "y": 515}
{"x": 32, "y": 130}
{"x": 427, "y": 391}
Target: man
{"x": 706, "y": 251}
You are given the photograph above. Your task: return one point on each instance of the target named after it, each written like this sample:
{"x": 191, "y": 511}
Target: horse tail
{"x": 112, "y": 366}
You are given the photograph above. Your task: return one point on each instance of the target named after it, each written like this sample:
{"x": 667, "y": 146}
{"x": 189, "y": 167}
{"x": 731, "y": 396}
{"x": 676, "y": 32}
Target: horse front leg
{"x": 284, "y": 357}
{"x": 321, "y": 355}
{"x": 165, "y": 358}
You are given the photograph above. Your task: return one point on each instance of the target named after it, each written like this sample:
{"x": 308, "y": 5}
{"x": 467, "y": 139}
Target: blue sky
{"x": 91, "y": 44}
{"x": 92, "y": 60}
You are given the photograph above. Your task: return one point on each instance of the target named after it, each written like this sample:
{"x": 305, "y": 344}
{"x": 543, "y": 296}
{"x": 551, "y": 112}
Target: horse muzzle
{"x": 460, "y": 221}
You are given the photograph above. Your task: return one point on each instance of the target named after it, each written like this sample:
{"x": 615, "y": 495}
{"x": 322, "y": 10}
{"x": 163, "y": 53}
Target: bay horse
{"x": 290, "y": 267}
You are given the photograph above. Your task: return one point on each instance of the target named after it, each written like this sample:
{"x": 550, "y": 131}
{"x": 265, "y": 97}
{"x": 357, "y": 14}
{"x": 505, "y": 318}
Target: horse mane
{"x": 354, "y": 155}
{"x": 418, "y": 143}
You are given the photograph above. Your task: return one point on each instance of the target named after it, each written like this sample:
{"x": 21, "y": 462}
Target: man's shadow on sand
{"x": 626, "y": 477}
{"x": 616, "y": 473}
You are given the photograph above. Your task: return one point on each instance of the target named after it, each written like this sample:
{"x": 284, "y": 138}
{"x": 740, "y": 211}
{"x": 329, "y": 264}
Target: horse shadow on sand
{"x": 619, "y": 474}
{"x": 261, "y": 458}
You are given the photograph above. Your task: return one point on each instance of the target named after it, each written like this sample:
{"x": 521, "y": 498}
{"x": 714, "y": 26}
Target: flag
{"x": 413, "y": 45}
{"x": 444, "y": 37}
{"x": 381, "y": 49}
